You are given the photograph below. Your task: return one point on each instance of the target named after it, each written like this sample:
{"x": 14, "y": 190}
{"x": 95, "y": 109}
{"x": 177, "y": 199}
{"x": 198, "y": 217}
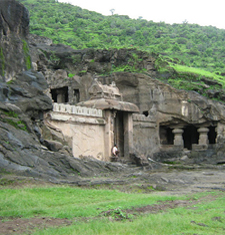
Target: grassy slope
{"x": 200, "y": 72}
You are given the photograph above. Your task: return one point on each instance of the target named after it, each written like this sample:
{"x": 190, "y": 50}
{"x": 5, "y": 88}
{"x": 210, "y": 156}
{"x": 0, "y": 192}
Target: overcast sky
{"x": 202, "y": 12}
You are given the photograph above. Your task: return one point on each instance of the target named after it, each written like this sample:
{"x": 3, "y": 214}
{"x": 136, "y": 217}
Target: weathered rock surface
{"x": 14, "y": 28}
{"x": 63, "y": 66}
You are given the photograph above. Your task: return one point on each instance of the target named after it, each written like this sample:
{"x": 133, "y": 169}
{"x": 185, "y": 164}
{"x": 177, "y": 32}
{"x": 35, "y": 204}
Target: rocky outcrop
{"x": 14, "y": 28}
{"x": 31, "y": 147}
{"x": 81, "y": 62}
{"x": 28, "y": 145}
{"x": 21, "y": 153}
{"x": 63, "y": 66}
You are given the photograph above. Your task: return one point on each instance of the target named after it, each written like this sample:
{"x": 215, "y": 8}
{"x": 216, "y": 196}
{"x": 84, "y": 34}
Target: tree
{"x": 112, "y": 11}
{"x": 175, "y": 47}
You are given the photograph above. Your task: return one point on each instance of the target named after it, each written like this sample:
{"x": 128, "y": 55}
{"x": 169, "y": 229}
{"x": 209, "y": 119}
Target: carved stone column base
{"x": 178, "y": 138}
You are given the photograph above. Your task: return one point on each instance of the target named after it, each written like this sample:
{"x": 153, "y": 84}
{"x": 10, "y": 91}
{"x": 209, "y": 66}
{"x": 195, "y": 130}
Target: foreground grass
{"x": 75, "y": 203}
{"x": 68, "y": 202}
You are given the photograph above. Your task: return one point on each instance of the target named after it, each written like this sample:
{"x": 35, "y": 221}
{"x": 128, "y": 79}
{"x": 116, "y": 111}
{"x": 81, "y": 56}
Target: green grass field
{"x": 204, "y": 213}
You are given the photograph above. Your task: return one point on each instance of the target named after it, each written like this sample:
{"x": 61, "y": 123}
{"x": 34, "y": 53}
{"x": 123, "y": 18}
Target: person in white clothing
{"x": 115, "y": 151}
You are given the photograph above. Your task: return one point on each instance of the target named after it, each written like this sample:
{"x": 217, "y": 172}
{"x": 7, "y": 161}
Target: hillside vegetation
{"x": 187, "y": 44}
{"x": 186, "y": 53}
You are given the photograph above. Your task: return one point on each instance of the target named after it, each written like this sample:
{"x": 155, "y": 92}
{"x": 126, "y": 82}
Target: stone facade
{"x": 82, "y": 127}
{"x": 146, "y": 140}
{"x": 94, "y": 131}
{"x": 172, "y": 123}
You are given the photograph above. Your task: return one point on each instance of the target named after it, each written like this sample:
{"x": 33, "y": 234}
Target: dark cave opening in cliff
{"x": 212, "y": 134}
{"x": 146, "y": 113}
{"x": 76, "y": 94}
{"x": 190, "y": 136}
{"x": 119, "y": 132}
{"x": 60, "y": 95}
{"x": 166, "y": 135}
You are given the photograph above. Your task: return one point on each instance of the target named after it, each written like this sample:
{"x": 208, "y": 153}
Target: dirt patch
{"x": 164, "y": 205}
{"x": 160, "y": 207}
{"x": 20, "y": 225}
{"x": 118, "y": 214}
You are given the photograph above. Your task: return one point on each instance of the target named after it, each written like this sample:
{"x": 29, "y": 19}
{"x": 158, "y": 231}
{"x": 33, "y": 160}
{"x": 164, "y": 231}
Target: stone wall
{"x": 86, "y": 129}
{"x": 146, "y": 138}
{"x": 82, "y": 127}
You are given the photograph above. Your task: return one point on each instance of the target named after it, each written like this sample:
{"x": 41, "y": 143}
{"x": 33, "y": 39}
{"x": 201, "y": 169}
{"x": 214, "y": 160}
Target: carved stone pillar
{"x": 203, "y": 136}
{"x": 60, "y": 98}
{"x": 109, "y": 134}
{"x": 178, "y": 138}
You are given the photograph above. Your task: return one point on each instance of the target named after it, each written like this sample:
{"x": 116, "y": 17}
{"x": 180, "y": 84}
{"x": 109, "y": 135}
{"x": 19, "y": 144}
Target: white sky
{"x": 202, "y": 12}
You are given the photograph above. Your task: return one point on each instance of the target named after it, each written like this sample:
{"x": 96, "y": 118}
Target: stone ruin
{"x": 94, "y": 126}
{"x": 177, "y": 122}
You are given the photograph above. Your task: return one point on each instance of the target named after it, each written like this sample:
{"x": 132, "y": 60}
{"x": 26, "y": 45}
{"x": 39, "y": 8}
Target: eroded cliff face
{"x": 64, "y": 67}
{"x": 14, "y": 28}
{"x": 67, "y": 70}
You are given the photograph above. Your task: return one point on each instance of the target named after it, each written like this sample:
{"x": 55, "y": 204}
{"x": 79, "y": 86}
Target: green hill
{"x": 188, "y": 55}
{"x": 186, "y": 44}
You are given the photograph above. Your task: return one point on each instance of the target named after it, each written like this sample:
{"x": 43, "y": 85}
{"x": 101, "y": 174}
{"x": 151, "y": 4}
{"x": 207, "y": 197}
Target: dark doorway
{"x": 119, "y": 132}
{"x": 166, "y": 135}
{"x": 54, "y": 95}
{"x": 190, "y": 136}
{"x": 146, "y": 113}
{"x": 60, "y": 95}
{"x": 76, "y": 94}
{"x": 212, "y": 135}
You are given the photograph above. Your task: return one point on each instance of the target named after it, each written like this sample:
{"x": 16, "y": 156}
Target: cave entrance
{"x": 212, "y": 134}
{"x": 190, "y": 136}
{"x": 146, "y": 113}
{"x": 119, "y": 132}
{"x": 76, "y": 94}
{"x": 166, "y": 135}
{"x": 60, "y": 95}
